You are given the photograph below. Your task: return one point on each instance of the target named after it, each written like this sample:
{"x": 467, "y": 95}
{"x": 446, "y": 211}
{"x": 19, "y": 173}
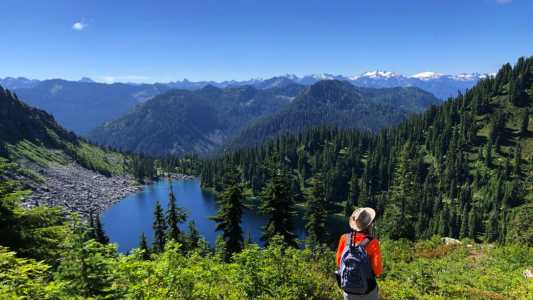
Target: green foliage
{"x": 278, "y": 204}
{"x": 32, "y": 175}
{"x": 431, "y": 270}
{"x": 34, "y": 233}
{"x": 399, "y": 214}
{"x": 317, "y": 214}
{"x": 160, "y": 226}
{"x": 521, "y": 227}
{"x": 143, "y": 246}
{"x": 86, "y": 267}
{"x": 174, "y": 215}
{"x": 99, "y": 233}
{"x": 22, "y": 278}
{"x": 231, "y": 208}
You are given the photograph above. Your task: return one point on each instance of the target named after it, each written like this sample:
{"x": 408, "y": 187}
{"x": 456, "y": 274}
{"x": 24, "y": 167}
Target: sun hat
{"x": 361, "y": 218}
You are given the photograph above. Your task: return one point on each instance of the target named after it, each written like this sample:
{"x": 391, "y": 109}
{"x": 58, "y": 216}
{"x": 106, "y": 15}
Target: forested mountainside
{"x": 81, "y": 106}
{"x": 460, "y": 170}
{"x": 412, "y": 99}
{"x": 180, "y": 121}
{"x": 18, "y": 83}
{"x": 333, "y": 102}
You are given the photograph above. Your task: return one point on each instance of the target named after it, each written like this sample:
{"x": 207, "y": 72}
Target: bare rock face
{"x": 75, "y": 188}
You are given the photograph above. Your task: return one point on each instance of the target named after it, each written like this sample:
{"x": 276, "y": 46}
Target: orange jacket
{"x": 373, "y": 249}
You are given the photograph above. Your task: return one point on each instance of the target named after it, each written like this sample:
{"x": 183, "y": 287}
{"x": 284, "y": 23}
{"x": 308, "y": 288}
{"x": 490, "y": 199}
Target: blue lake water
{"x": 125, "y": 221}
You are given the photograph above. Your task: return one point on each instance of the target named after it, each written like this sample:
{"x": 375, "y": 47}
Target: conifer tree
{"x": 278, "y": 204}
{"x": 193, "y": 236}
{"x": 159, "y": 225}
{"x": 143, "y": 245}
{"x": 84, "y": 271}
{"x": 99, "y": 232}
{"x": 352, "y": 194}
{"x": 524, "y": 123}
{"x": 399, "y": 214}
{"x": 231, "y": 209}
{"x": 248, "y": 241}
{"x": 174, "y": 215}
{"x": 492, "y": 230}
{"x": 472, "y": 227}
{"x": 91, "y": 233}
{"x": 317, "y": 214}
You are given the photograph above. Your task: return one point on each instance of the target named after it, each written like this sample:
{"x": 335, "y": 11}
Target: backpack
{"x": 356, "y": 274}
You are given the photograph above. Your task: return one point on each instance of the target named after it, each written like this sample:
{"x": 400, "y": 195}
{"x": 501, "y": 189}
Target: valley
{"x": 408, "y": 124}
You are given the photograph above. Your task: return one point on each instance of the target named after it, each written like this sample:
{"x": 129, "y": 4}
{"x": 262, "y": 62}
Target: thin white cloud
{"x": 110, "y": 79}
{"x": 503, "y": 1}
{"x": 80, "y": 25}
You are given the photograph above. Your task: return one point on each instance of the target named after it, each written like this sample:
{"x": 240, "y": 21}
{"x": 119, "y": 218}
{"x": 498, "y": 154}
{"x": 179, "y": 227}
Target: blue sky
{"x": 162, "y": 41}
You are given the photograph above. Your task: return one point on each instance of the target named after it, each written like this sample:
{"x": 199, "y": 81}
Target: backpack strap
{"x": 347, "y": 239}
{"x": 363, "y": 243}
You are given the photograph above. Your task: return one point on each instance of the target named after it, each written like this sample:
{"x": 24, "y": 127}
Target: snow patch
{"x": 427, "y": 76}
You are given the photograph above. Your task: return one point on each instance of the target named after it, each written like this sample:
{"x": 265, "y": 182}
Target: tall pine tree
{"x": 100, "y": 235}
{"x": 399, "y": 213}
{"x": 143, "y": 245}
{"x": 317, "y": 214}
{"x": 231, "y": 209}
{"x": 278, "y": 204}
{"x": 175, "y": 215}
{"x": 159, "y": 225}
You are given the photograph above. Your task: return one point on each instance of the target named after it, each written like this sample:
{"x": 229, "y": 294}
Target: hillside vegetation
{"x": 30, "y": 134}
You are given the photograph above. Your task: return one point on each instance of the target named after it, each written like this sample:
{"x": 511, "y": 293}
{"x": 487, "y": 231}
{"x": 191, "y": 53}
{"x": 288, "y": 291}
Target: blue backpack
{"x": 356, "y": 274}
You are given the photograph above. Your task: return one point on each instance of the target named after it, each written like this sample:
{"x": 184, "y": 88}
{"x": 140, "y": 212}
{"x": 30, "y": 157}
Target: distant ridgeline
{"x": 462, "y": 169}
{"x": 201, "y": 121}
{"x": 81, "y": 106}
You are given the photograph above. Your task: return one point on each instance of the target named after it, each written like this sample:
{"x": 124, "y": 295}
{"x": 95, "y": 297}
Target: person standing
{"x": 361, "y": 222}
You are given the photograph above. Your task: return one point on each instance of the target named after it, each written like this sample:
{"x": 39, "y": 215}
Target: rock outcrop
{"x": 75, "y": 188}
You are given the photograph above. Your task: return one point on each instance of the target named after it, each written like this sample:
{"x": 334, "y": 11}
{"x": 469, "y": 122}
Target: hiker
{"x": 361, "y": 222}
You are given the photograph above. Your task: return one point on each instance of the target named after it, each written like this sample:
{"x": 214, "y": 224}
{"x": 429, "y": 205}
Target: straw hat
{"x": 361, "y": 218}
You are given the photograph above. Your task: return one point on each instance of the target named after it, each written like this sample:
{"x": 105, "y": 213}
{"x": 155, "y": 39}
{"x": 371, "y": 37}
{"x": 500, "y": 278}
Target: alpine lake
{"x": 125, "y": 221}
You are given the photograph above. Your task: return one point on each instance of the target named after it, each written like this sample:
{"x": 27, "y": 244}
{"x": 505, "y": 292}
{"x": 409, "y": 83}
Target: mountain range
{"x": 200, "y": 121}
{"x": 81, "y": 106}
{"x": 442, "y": 86}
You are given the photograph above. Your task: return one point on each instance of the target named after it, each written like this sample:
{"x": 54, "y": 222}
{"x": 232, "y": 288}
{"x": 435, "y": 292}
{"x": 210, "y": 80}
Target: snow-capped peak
{"x": 320, "y": 76}
{"x": 427, "y": 76}
{"x": 290, "y": 76}
{"x": 255, "y": 80}
{"x": 375, "y": 75}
